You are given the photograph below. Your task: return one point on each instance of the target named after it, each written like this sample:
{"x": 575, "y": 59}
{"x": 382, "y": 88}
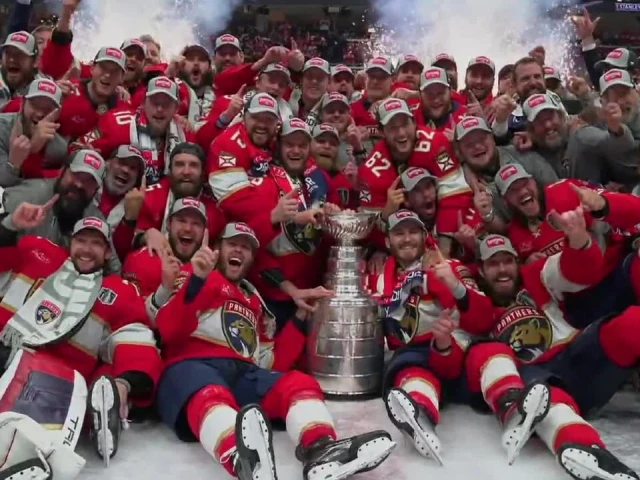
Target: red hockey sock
{"x": 423, "y": 387}
{"x": 211, "y": 413}
{"x": 620, "y": 338}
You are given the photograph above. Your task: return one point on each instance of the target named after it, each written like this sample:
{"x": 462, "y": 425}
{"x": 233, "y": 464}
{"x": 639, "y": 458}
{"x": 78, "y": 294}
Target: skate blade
{"x": 366, "y": 461}
{"x": 102, "y": 400}
{"x": 404, "y": 405}
{"x": 263, "y": 446}
{"x": 541, "y": 400}
{"x": 582, "y": 465}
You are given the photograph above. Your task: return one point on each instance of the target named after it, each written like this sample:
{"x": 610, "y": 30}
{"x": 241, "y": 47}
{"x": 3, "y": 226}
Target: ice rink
{"x": 471, "y": 448}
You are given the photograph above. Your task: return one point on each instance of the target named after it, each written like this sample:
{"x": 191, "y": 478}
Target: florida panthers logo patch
{"x": 47, "y": 312}
{"x": 407, "y": 327}
{"x": 238, "y": 325}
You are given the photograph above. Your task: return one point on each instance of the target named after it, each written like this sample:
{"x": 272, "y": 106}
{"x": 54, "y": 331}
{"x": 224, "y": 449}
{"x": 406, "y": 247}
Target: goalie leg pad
{"x": 46, "y": 390}
{"x": 25, "y": 444}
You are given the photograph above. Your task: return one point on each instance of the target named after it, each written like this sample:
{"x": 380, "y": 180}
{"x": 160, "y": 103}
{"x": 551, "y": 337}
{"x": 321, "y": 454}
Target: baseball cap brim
{"x": 191, "y": 208}
{"x": 162, "y": 91}
{"x": 466, "y": 131}
{"x": 512, "y": 179}
{"x": 82, "y": 168}
{"x": 378, "y": 67}
{"x": 489, "y": 252}
{"x": 109, "y": 59}
{"x": 390, "y": 115}
{"x": 199, "y": 48}
{"x": 407, "y": 62}
{"x": 254, "y": 241}
{"x": 536, "y": 111}
{"x": 412, "y": 219}
{"x": 258, "y": 109}
{"x": 90, "y": 227}
{"x": 619, "y": 81}
{"x": 20, "y": 46}
{"x": 616, "y": 62}
{"x": 435, "y": 81}
{"x": 444, "y": 61}
{"x": 483, "y": 64}
{"x": 43, "y": 95}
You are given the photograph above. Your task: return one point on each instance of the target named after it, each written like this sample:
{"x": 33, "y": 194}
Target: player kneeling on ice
{"x": 422, "y": 295}
{"x": 65, "y": 324}
{"x": 534, "y": 347}
{"x": 223, "y": 380}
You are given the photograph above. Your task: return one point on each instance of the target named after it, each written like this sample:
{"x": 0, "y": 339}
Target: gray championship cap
{"x": 412, "y": 176}
{"x": 134, "y": 43}
{"x": 338, "y": 69}
{"x": 240, "y": 229}
{"x": 198, "y": 48}
{"x": 163, "y": 85}
{"x": 45, "y": 88}
{"x": 538, "y": 103}
{"x": 403, "y": 216}
{"x": 277, "y": 68}
{"x": 129, "y": 151}
{"x": 227, "y": 39}
{"x": 619, "y": 58}
{"x": 92, "y": 223}
{"x": 492, "y": 244}
{"x": 334, "y": 97}
{"x": 443, "y": 59}
{"x": 470, "y": 124}
{"x": 380, "y": 63}
{"x": 432, "y": 76}
{"x": 294, "y": 125}
{"x": 615, "y": 77}
{"x": 111, "y": 54}
{"x": 189, "y": 203}
{"x": 88, "y": 161}
{"x": 318, "y": 63}
{"x": 550, "y": 73}
{"x": 325, "y": 129}
{"x": 23, "y": 41}
{"x": 482, "y": 60}
{"x": 508, "y": 174}
{"x": 392, "y": 107}
{"x": 406, "y": 59}
{"x": 263, "y": 103}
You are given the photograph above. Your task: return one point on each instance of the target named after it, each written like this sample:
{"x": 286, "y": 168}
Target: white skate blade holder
{"x": 536, "y": 403}
{"x": 583, "y": 465}
{"x": 256, "y": 437}
{"x": 374, "y": 453}
{"x": 102, "y": 397}
{"x": 403, "y": 409}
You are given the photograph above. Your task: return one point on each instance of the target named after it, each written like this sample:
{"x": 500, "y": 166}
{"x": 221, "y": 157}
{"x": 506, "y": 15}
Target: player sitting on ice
{"x": 223, "y": 360}
{"x": 585, "y": 368}
{"x": 64, "y": 324}
{"x": 420, "y": 294}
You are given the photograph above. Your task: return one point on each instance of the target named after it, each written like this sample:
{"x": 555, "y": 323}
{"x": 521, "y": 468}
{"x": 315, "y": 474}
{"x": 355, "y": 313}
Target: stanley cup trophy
{"x": 346, "y": 345}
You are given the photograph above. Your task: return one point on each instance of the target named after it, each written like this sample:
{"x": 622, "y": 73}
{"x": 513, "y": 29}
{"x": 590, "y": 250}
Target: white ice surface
{"x": 471, "y": 448}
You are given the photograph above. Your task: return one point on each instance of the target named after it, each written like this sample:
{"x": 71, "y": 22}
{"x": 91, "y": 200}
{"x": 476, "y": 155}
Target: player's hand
{"x": 133, "y": 200}
{"x": 276, "y": 55}
{"x": 442, "y": 329}
{"x": 236, "y": 104}
{"x": 474, "y": 107}
{"x": 170, "y": 270}
{"x": 539, "y": 54}
{"x": 578, "y": 86}
{"x": 613, "y": 116}
{"x": 157, "y": 243}
{"x": 306, "y": 299}
{"x": 522, "y": 141}
{"x": 204, "y": 261}
{"x": 123, "y": 392}
{"x": 28, "y": 216}
{"x": 67, "y": 87}
{"x": 353, "y": 136}
{"x": 175, "y": 66}
{"x": 351, "y": 172}
{"x": 466, "y": 235}
{"x": 504, "y": 106}
{"x": 123, "y": 93}
{"x": 70, "y": 5}
{"x": 482, "y": 200}
{"x": 44, "y": 131}
{"x": 444, "y": 273}
{"x": 20, "y": 150}
{"x": 313, "y": 216}
{"x": 295, "y": 58}
{"x": 331, "y": 209}
{"x": 395, "y": 199}
{"x": 573, "y": 225}
{"x": 584, "y": 25}
{"x": 590, "y": 200}
{"x": 375, "y": 265}
{"x": 405, "y": 94}
{"x": 286, "y": 208}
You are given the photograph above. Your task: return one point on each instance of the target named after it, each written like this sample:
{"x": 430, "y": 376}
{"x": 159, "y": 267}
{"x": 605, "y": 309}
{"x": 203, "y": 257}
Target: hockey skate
{"x": 329, "y": 459}
{"x": 411, "y": 419}
{"x": 34, "y": 469}
{"x": 254, "y": 441}
{"x": 532, "y": 405}
{"x": 104, "y": 408}
{"x": 592, "y": 463}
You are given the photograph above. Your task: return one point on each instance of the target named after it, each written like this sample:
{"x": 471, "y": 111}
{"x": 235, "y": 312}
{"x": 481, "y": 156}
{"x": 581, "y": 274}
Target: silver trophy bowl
{"x": 345, "y": 346}
{"x": 348, "y": 228}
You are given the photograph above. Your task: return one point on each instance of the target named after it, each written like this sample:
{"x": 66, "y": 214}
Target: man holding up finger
{"x": 420, "y": 294}
{"x": 30, "y": 146}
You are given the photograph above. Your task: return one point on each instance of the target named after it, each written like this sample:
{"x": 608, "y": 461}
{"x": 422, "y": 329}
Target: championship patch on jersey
{"x": 344, "y": 195}
{"x": 227, "y": 160}
{"x": 47, "y": 312}
{"x": 107, "y": 296}
{"x": 238, "y": 325}
{"x": 444, "y": 162}
{"x": 525, "y": 328}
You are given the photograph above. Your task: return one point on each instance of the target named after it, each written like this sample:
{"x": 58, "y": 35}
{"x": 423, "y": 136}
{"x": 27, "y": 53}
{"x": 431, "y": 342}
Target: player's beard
{"x": 501, "y": 299}
{"x": 99, "y": 266}
{"x": 206, "y": 78}
{"x": 522, "y": 219}
{"x": 222, "y": 267}
{"x": 183, "y": 257}
{"x": 14, "y": 84}
{"x": 68, "y": 210}
{"x": 181, "y": 189}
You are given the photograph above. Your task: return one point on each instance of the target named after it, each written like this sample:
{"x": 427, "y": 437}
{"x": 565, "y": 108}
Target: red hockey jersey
{"x": 226, "y": 320}
{"x": 232, "y": 159}
{"x": 410, "y": 323}
{"x": 116, "y": 332}
{"x": 534, "y": 325}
